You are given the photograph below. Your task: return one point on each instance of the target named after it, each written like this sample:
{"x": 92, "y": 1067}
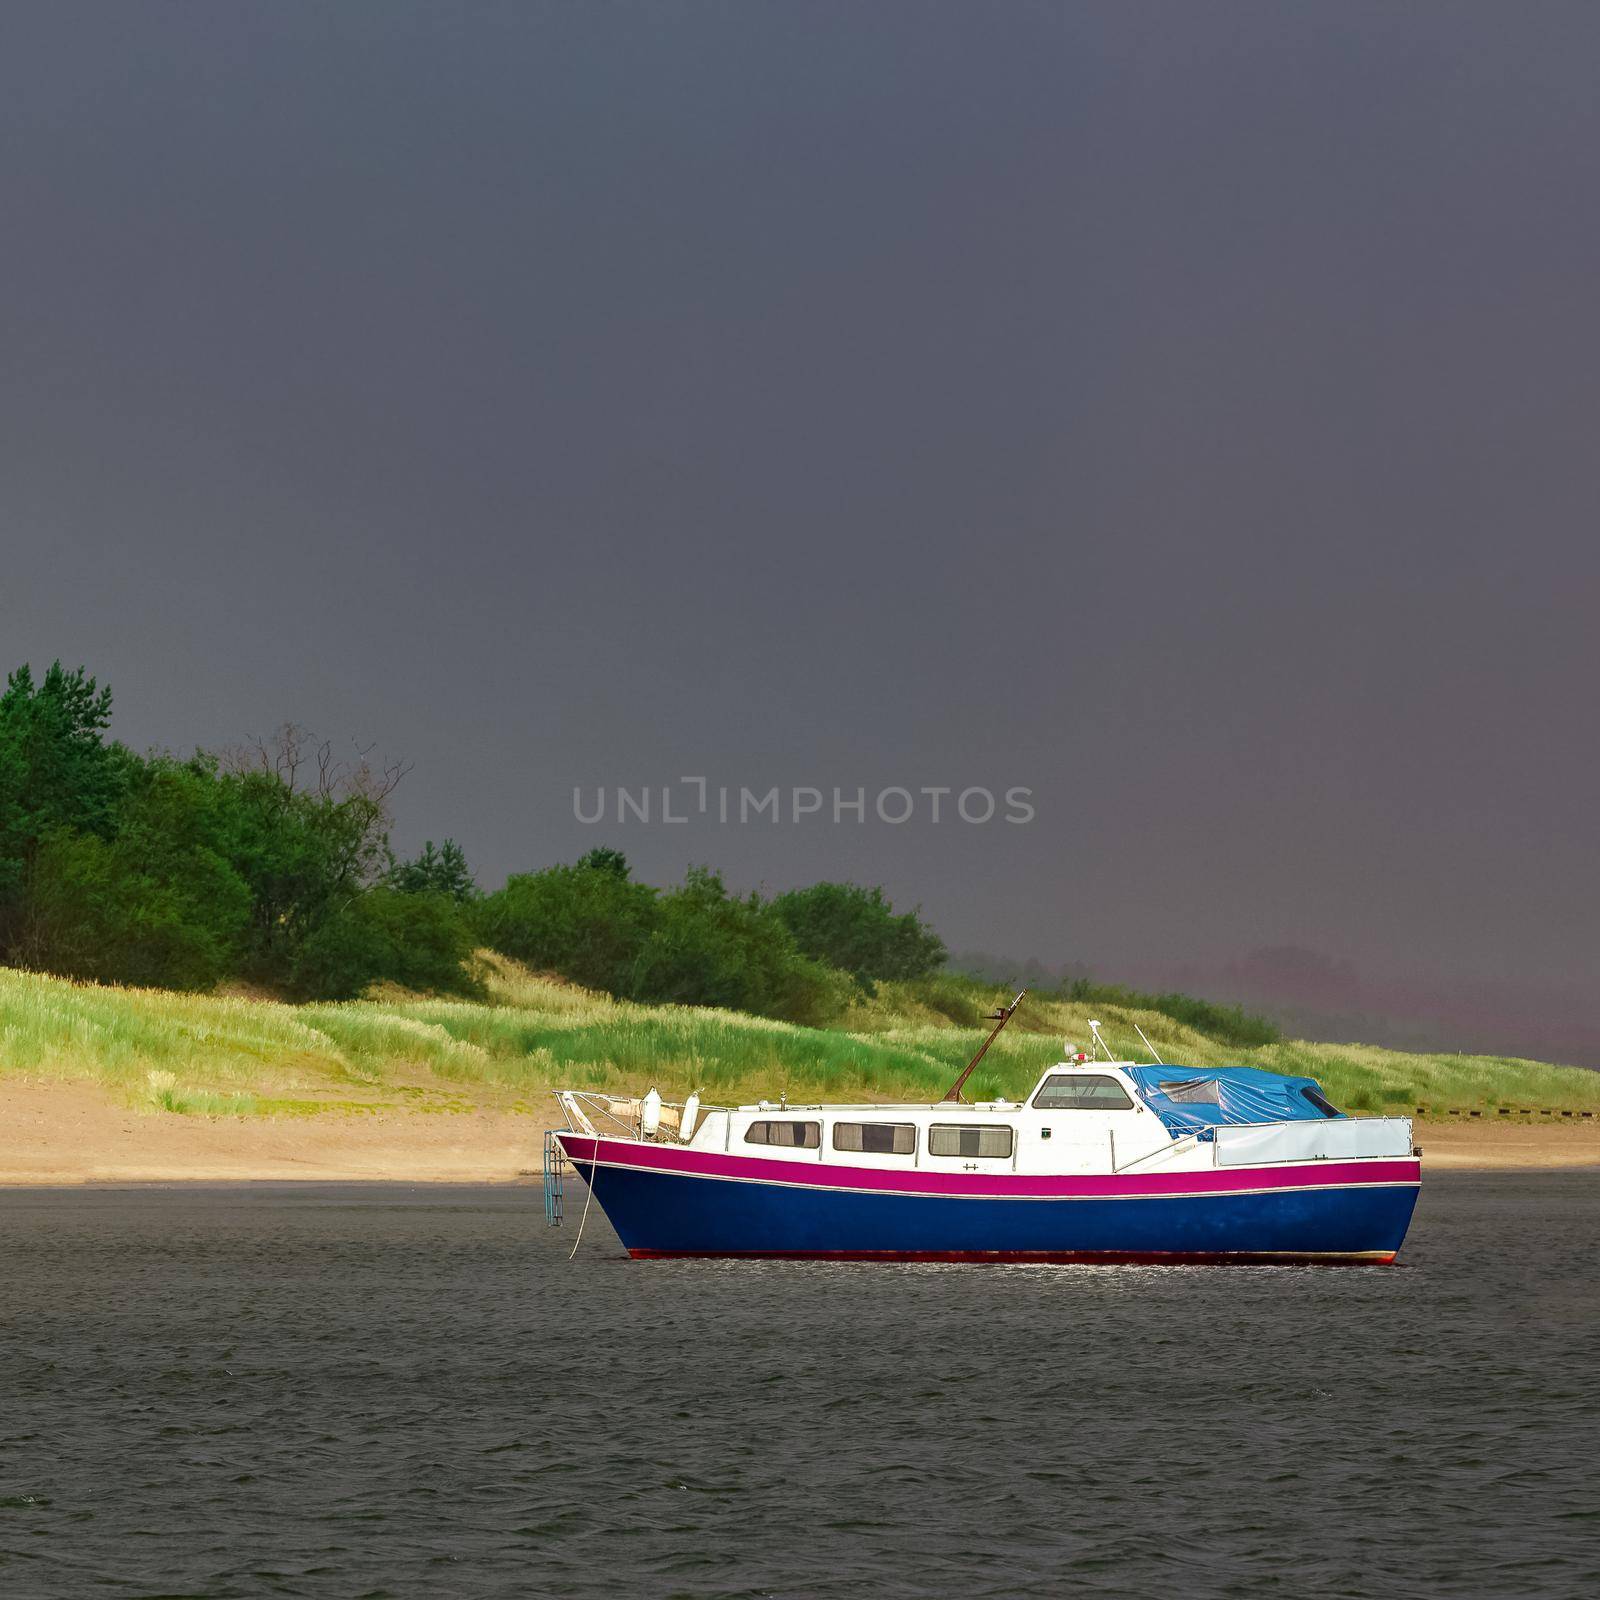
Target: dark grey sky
{"x": 1187, "y": 412}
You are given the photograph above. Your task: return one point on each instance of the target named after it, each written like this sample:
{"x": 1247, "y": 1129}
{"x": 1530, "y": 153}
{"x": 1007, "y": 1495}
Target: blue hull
{"x": 672, "y": 1214}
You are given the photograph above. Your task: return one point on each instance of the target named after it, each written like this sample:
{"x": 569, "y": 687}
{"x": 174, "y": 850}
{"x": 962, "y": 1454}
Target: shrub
{"x": 960, "y": 1000}
{"x": 419, "y": 941}
{"x": 857, "y": 931}
{"x": 588, "y": 922}
{"x": 1227, "y": 1024}
{"x": 96, "y": 911}
{"x": 711, "y": 949}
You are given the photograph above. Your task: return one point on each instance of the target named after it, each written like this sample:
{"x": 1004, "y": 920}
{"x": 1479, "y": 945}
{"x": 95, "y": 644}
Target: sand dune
{"x": 58, "y": 1132}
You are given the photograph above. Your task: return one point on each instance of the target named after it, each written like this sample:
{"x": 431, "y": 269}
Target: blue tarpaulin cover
{"x": 1192, "y": 1099}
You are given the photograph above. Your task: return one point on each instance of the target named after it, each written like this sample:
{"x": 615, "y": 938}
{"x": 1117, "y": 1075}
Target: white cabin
{"x": 1078, "y": 1118}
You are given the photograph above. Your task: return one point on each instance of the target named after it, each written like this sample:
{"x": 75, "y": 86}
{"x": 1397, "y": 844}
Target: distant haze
{"x": 1185, "y": 413}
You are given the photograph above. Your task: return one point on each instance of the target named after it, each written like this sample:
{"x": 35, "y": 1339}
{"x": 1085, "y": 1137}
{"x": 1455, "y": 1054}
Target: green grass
{"x": 165, "y": 1095}
{"x": 226, "y": 1056}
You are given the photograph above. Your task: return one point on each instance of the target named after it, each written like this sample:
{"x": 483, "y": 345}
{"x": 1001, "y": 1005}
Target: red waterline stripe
{"x": 1106, "y": 1258}
{"x": 1385, "y": 1170}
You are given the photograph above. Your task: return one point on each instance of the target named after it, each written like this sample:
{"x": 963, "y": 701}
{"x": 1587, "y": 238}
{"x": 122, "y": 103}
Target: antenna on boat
{"x": 1000, "y": 1018}
{"x": 1148, "y": 1046}
{"x": 1094, "y": 1029}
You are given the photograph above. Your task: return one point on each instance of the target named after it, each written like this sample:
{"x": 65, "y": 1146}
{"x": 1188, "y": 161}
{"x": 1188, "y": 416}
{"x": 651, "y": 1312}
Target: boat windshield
{"x": 1076, "y": 1091}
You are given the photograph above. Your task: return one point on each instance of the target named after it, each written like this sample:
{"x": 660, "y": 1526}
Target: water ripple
{"x": 403, "y": 1393}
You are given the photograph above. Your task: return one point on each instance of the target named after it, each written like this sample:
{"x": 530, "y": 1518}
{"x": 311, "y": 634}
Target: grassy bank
{"x": 234, "y": 1055}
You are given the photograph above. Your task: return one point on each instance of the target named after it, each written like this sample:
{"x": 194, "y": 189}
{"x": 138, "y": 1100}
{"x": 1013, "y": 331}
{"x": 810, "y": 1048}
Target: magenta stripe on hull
{"x": 995, "y": 1185}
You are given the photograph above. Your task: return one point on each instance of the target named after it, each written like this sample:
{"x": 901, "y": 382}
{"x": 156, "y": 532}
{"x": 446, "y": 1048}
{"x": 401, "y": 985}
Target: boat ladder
{"x": 556, "y": 1167}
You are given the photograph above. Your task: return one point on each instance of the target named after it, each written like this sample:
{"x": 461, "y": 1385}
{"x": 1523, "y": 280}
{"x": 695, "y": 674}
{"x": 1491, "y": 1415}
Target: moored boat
{"x": 1105, "y": 1161}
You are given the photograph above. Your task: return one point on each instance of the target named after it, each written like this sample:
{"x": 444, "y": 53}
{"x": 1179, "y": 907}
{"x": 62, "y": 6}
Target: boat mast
{"x": 1000, "y": 1019}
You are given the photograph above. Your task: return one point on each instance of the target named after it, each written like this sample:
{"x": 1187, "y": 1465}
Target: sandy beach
{"x": 70, "y": 1133}
{"x": 73, "y": 1133}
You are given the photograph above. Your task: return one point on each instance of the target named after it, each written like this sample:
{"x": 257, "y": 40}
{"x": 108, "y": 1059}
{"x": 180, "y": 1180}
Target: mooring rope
{"x": 594, "y": 1173}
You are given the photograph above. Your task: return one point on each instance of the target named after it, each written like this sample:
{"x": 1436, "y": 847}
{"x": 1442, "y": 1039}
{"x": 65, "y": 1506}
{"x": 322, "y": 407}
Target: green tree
{"x": 588, "y": 922}
{"x": 710, "y": 948}
{"x": 96, "y": 911}
{"x": 419, "y": 941}
{"x": 442, "y": 871}
{"x": 604, "y": 859}
{"x": 306, "y": 857}
{"x": 56, "y": 772}
{"x": 858, "y": 931}
{"x": 154, "y": 904}
{"x": 179, "y": 873}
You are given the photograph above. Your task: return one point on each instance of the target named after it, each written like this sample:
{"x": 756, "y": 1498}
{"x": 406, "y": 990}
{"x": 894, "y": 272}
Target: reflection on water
{"x": 336, "y": 1391}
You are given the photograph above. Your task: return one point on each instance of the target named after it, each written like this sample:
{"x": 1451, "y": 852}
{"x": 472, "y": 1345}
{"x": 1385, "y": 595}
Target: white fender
{"x": 691, "y": 1112}
{"x": 650, "y": 1114}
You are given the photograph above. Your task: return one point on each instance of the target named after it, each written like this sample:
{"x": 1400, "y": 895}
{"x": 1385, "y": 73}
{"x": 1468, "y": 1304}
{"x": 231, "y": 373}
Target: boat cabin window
{"x": 795, "y": 1135}
{"x": 875, "y": 1138}
{"x": 1322, "y": 1103}
{"x": 1073, "y": 1091}
{"x": 1193, "y": 1092}
{"x": 957, "y": 1139}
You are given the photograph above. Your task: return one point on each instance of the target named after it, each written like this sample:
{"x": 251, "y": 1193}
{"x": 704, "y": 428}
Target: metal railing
{"x": 620, "y": 1116}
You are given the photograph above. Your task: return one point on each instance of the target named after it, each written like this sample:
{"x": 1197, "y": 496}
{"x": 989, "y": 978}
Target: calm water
{"x": 342, "y": 1391}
